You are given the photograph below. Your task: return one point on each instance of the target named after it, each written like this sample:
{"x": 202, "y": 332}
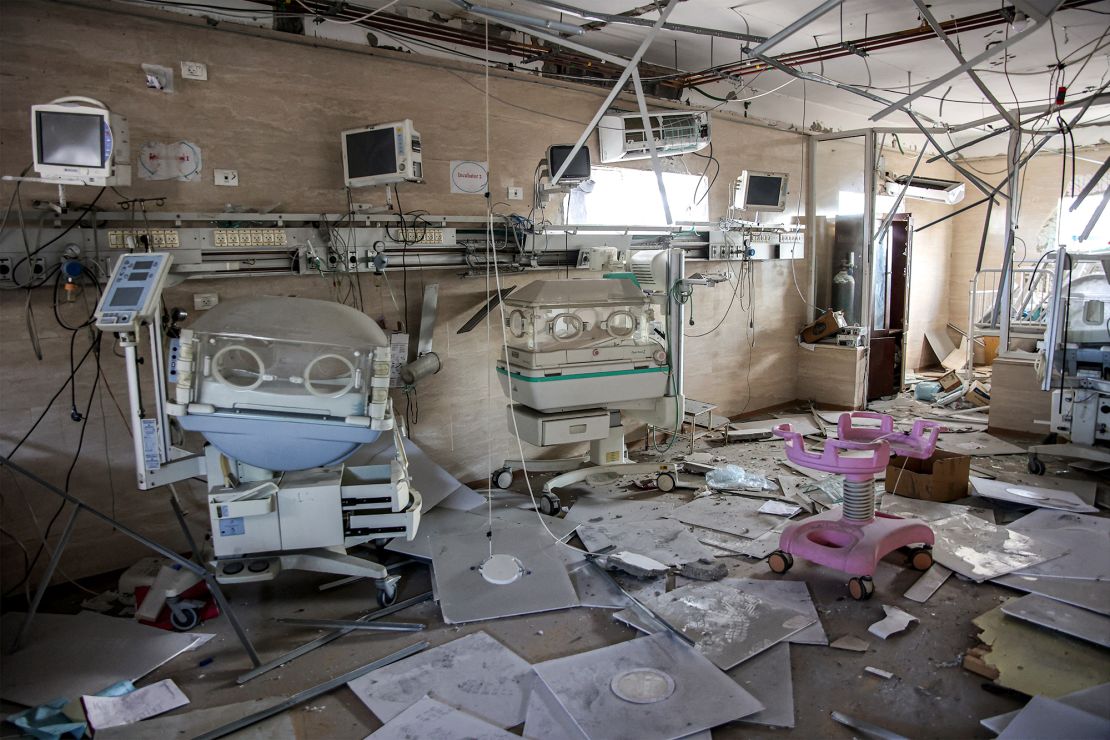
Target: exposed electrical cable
{"x": 351, "y": 21}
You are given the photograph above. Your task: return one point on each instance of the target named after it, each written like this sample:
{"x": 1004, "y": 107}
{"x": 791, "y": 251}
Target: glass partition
{"x": 839, "y": 177}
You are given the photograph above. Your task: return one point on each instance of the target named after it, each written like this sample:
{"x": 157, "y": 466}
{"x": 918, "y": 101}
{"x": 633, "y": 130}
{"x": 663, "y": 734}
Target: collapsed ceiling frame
{"x": 966, "y": 67}
{"x": 861, "y": 46}
{"x": 600, "y": 19}
{"x": 661, "y": 81}
{"x": 560, "y": 55}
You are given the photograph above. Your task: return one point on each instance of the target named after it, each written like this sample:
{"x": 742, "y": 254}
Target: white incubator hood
{"x": 284, "y": 383}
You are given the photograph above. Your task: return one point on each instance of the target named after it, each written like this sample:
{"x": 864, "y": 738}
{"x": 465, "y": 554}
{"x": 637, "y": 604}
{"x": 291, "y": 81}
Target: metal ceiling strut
{"x": 528, "y": 20}
{"x": 989, "y": 53}
{"x": 625, "y": 20}
{"x": 861, "y": 46}
{"x": 916, "y": 118}
{"x": 616, "y": 89}
{"x": 801, "y": 22}
{"x": 923, "y": 9}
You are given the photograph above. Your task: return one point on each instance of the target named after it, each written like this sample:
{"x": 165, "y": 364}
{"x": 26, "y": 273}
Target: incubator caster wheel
{"x": 666, "y": 482}
{"x": 549, "y": 504}
{"x": 387, "y": 593}
{"x": 780, "y": 561}
{"x": 921, "y": 558}
{"x": 861, "y": 588}
{"x": 503, "y": 478}
{"x": 1036, "y": 466}
{"x": 184, "y": 618}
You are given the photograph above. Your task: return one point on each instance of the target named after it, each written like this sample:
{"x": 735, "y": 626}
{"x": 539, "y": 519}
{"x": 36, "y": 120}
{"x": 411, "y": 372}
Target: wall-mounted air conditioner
{"x": 926, "y": 188}
{"x": 623, "y": 136}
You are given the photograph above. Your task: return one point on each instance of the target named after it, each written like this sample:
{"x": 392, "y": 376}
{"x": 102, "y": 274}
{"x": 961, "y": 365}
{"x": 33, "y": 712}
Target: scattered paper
{"x": 878, "y": 672}
{"x": 431, "y": 718}
{"x": 778, "y": 508}
{"x": 854, "y": 644}
{"x": 149, "y": 701}
{"x": 896, "y": 620}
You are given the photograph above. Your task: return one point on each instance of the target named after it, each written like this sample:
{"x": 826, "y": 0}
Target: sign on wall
{"x": 469, "y": 177}
{"x": 180, "y": 160}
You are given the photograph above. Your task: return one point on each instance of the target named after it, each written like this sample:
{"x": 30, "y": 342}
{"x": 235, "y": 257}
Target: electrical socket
{"x": 516, "y": 193}
{"x": 228, "y": 178}
{"x": 204, "y": 301}
{"x": 38, "y": 267}
{"x": 194, "y": 71}
{"x": 5, "y": 269}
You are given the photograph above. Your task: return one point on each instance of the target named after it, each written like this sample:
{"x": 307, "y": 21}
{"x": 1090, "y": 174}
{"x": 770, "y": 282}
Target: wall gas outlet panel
{"x": 726, "y": 251}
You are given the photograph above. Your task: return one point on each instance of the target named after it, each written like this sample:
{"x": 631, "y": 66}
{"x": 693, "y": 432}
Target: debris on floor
{"x": 1045, "y": 498}
{"x": 710, "y": 632}
{"x": 725, "y": 623}
{"x": 197, "y": 722}
{"x": 475, "y": 673}
{"x": 71, "y": 656}
{"x": 980, "y": 551}
{"x": 1095, "y": 700}
{"x": 633, "y": 564}
{"x": 895, "y": 621}
{"x": 848, "y": 642}
{"x": 704, "y": 571}
{"x": 103, "y": 712}
{"x": 767, "y": 677}
{"x": 1033, "y": 660}
{"x": 431, "y": 718}
{"x": 928, "y": 583}
{"x": 1044, "y": 717}
{"x": 651, "y": 687}
{"x": 1064, "y": 618}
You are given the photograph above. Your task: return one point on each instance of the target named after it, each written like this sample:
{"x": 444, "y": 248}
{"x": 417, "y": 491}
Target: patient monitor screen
{"x": 70, "y": 139}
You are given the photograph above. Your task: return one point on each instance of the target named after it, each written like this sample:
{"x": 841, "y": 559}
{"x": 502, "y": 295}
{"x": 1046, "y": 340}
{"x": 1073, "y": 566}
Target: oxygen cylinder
{"x": 844, "y": 292}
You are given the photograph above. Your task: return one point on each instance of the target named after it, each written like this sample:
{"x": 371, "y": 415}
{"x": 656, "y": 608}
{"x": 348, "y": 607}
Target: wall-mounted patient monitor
{"x": 579, "y": 168}
{"x": 78, "y": 140}
{"x": 761, "y": 191}
{"x": 382, "y": 154}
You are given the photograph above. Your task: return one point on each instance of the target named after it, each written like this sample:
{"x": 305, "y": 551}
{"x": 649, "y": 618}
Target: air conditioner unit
{"x": 926, "y": 188}
{"x": 623, "y": 136}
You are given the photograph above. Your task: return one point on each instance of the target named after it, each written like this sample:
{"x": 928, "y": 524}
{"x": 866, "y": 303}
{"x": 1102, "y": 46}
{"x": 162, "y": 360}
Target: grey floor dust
{"x": 930, "y": 695}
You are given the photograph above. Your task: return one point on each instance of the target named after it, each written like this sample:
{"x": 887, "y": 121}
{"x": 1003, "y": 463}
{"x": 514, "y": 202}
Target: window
{"x": 1073, "y": 223}
{"x": 624, "y": 197}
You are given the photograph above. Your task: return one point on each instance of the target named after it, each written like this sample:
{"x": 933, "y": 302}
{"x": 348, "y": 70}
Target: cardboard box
{"x": 826, "y": 325}
{"x": 942, "y": 477}
{"x": 949, "y": 381}
{"x": 978, "y": 394}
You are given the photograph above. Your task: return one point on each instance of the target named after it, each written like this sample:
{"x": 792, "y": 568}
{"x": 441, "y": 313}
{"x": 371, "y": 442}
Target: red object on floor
{"x": 199, "y": 592}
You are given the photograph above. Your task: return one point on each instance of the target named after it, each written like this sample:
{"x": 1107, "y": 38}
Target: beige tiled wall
{"x": 272, "y": 110}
